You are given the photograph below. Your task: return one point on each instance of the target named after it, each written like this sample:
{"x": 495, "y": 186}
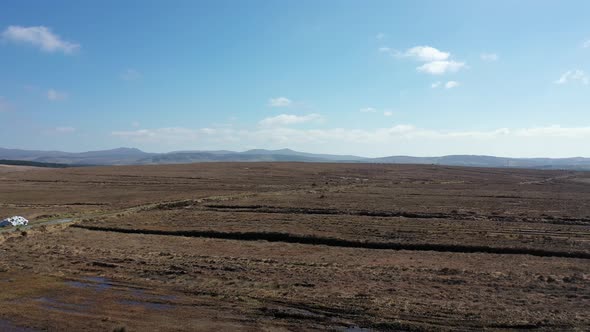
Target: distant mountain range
{"x": 131, "y": 156}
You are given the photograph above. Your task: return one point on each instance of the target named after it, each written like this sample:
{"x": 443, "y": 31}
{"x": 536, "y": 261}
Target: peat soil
{"x": 294, "y": 246}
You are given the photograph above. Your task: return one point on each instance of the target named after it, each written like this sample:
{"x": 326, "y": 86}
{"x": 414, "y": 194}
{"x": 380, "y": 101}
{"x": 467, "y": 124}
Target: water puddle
{"x": 8, "y": 326}
{"x": 149, "y": 301}
{"x": 146, "y": 296}
{"x": 55, "y": 305}
{"x": 128, "y": 296}
{"x": 148, "y": 305}
{"x": 94, "y": 283}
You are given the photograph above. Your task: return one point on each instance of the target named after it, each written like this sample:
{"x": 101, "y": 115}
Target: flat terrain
{"x": 295, "y": 246}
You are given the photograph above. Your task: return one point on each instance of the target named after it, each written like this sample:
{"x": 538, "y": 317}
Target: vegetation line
{"x": 416, "y": 215}
{"x": 336, "y": 242}
{"x": 32, "y": 163}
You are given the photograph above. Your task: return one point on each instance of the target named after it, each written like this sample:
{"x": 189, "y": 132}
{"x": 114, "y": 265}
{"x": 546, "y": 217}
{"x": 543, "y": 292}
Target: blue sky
{"x": 372, "y": 78}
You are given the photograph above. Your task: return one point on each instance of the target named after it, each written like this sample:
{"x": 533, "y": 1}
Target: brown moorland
{"x": 295, "y": 246}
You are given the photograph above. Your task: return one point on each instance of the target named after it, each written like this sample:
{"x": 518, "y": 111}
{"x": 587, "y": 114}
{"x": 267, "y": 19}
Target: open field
{"x": 296, "y": 246}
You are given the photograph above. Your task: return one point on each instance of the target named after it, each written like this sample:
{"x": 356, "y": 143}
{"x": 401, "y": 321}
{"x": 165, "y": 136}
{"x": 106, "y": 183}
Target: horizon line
{"x": 314, "y": 153}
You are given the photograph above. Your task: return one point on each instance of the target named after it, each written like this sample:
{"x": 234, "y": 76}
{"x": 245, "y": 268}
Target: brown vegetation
{"x": 292, "y": 246}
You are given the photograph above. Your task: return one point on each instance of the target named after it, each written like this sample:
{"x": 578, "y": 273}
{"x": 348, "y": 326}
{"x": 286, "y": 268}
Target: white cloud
{"x": 130, "y": 74}
{"x": 55, "y": 95}
{"x": 380, "y": 36}
{"x": 451, "y": 84}
{"x": 41, "y": 37}
{"x": 385, "y": 49}
{"x": 551, "y": 140}
{"x": 586, "y": 44}
{"x": 374, "y": 110}
{"x": 436, "y": 62}
{"x": 419, "y": 53}
{"x": 554, "y": 131}
{"x": 573, "y": 75}
{"x": 367, "y": 110}
{"x": 490, "y": 57}
{"x": 65, "y": 130}
{"x": 427, "y": 54}
{"x": 441, "y": 67}
{"x": 447, "y": 85}
{"x": 279, "y": 102}
{"x": 288, "y": 119}
{"x": 171, "y": 134}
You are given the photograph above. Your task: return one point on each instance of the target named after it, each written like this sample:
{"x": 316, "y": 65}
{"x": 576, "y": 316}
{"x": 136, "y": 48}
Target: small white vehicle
{"x": 14, "y": 221}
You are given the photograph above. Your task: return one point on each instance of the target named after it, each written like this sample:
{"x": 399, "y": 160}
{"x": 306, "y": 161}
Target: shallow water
{"x": 138, "y": 297}
{"x": 8, "y": 326}
{"x": 55, "y": 305}
{"x": 148, "y": 305}
{"x": 149, "y": 301}
{"x": 95, "y": 283}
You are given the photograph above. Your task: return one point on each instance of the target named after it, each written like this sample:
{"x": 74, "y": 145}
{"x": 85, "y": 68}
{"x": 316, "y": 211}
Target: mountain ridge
{"x": 134, "y": 156}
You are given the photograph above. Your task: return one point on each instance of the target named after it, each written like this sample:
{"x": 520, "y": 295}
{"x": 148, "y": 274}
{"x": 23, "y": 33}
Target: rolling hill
{"x": 133, "y": 156}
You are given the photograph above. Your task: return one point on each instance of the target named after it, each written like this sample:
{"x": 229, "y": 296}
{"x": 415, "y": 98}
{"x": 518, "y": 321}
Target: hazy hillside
{"x": 31, "y": 163}
{"x": 491, "y": 161}
{"x": 120, "y": 156}
{"x": 132, "y": 156}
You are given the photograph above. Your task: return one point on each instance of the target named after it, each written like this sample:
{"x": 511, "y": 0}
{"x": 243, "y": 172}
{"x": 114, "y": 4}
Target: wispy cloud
{"x": 41, "y": 37}
{"x": 586, "y": 44}
{"x": 490, "y": 57}
{"x": 419, "y": 53}
{"x": 451, "y": 84}
{"x": 447, "y": 85}
{"x": 554, "y": 131}
{"x": 167, "y": 134}
{"x": 374, "y": 110}
{"x": 289, "y": 119}
{"x": 64, "y": 130}
{"x": 399, "y": 138}
{"x": 130, "y": 74}
{"x": 380, "y": 36}
{"x": 576, "y": 75}
{"x": 436, "y": 62}
{"x": 279, "y": 102}
{"x": 426, "y": 53}
{"x": 367, "y": 110}
{"x": 55, "y": 95}
{"x": 385, "y": 49}
{"x": 441, "y": 67}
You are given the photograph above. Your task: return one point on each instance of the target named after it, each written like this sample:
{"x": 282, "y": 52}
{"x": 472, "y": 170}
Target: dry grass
{"x": 159, "y": 275}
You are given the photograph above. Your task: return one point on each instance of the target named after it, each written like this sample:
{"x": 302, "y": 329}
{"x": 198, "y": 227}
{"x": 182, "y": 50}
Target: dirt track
{"x": 294, "y": 246}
